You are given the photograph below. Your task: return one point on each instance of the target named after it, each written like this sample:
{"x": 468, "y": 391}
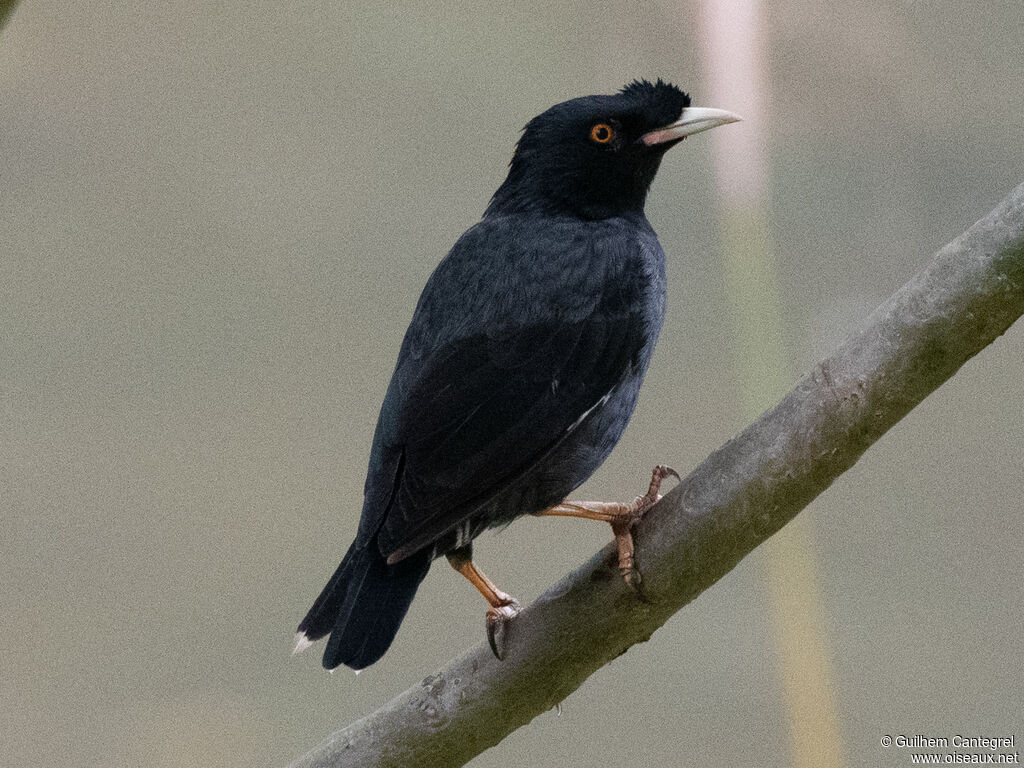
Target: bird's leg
{"x": 622, "y": 518}
{"x": 503, "y": 608}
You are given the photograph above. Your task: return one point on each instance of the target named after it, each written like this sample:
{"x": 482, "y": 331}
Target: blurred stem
{"x": 752, "y": 292}
{"x": 969, "y": 295}
{"x": 802, "y": 647}
{"x": 790, "y": 558}
{"x": 736, "y": 72}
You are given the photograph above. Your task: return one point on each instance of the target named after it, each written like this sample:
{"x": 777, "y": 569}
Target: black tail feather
{"x": 320, "y": 618}
{"x": 363, "y": 605}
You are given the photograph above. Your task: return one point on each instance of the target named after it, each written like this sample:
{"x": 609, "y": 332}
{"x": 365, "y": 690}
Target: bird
{"x": 520, "y": 368}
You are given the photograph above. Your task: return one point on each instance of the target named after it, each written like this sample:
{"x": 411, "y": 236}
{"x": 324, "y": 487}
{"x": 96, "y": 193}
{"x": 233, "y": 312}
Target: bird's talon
{"x": 652, "y": 497}
{"x": 498, "y": 618}
{"x": 665, "y": 471}
{"x": 635, "y": 582}
{"x": 631, "y": 576}
{"x": 623, "y": 527}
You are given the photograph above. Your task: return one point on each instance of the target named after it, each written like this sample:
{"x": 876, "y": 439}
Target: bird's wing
{"x": 471, "y": 415}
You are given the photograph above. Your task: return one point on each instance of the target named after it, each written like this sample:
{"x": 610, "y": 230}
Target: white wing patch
{"x": 589, "y": 411}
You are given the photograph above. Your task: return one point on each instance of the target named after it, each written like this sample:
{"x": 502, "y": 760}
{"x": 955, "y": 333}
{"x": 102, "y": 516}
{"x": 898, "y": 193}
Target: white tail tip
{"x": 301, "y": 643}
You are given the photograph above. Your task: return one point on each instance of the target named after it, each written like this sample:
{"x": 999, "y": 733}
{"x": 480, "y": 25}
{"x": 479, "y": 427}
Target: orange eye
{"x": 602, "y": 133}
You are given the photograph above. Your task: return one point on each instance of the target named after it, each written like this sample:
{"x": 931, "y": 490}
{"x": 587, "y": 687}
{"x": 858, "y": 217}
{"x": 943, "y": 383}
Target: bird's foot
{"x": 622, "y": 517}
{"x": 623, "y": 528}
{"x": 652, "y": 497}
{"x": 498, "y": 618}
{"x": 503, "y": 608}
{"x": 623, "y": 533}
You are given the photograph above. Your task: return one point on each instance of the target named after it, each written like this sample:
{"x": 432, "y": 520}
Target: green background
{"x": 214, "y": 223}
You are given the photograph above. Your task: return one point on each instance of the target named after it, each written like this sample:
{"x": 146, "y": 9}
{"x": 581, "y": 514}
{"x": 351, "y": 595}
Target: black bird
{"x": 520, "y": 368}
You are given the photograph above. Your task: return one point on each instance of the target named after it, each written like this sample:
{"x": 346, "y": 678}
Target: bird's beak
{"x": 691, "y": 120}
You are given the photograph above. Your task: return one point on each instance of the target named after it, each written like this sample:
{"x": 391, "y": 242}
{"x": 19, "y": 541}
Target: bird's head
{"x": 596, "y": 156}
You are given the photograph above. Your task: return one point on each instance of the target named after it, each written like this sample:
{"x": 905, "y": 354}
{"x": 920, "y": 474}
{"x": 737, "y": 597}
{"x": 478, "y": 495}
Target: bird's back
{"x": 517, "y": 376}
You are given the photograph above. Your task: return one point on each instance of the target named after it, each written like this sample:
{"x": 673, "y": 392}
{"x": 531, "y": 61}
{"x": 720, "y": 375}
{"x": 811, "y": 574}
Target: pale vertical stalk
{"x": 737, "y": 80}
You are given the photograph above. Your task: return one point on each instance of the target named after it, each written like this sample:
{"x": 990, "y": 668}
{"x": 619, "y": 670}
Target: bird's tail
{"x": 363, "y": 605}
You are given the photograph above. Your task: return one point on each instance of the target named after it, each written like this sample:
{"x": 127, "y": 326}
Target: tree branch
{"x": 739, "y": 496}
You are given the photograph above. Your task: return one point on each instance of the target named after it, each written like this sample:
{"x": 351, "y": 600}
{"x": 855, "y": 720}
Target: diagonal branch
{"x": 739, "y": 496}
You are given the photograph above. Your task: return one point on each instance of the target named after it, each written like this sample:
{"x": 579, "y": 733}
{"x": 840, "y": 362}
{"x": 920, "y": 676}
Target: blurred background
{"x": 215, "y": 221}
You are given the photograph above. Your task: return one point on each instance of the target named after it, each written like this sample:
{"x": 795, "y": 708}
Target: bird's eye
{"x": 601, "y": 133}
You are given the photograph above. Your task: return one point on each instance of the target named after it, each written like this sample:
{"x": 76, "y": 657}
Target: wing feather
{"x": 493, "y": 375}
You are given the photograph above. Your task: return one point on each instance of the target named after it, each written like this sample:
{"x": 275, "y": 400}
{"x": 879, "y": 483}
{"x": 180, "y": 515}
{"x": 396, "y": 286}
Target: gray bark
{"x": 740, "y": 495}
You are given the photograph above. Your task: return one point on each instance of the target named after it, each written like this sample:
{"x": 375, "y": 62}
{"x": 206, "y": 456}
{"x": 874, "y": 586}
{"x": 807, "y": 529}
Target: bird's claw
{"x": 498, "y": 617}
{"x": 623, "y": 528}
{"x": 627, "y": 565}
{"x": 652, "y": 497}
{"x": 634, "y": 580}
